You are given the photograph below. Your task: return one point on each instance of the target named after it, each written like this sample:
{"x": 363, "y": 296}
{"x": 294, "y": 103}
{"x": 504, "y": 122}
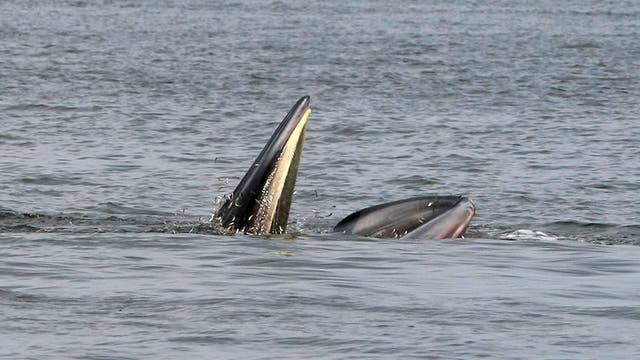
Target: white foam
{"x": 526, "y": 234}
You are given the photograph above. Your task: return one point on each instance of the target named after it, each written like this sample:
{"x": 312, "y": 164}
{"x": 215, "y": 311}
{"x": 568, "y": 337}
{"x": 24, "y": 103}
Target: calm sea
{"x": 121, "y": 122}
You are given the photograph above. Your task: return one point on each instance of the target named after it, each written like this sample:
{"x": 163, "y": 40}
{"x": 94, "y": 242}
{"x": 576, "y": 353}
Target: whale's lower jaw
{"x": 260, "y": 203}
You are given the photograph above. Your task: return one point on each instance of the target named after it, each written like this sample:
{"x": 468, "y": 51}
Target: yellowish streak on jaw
{"x": 275, "y": 183}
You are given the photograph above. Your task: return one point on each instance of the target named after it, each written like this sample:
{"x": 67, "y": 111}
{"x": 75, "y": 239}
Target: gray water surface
{"x": 122, "y": 122}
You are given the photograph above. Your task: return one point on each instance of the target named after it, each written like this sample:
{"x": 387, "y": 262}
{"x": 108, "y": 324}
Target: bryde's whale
{"x": 260, "y": 203}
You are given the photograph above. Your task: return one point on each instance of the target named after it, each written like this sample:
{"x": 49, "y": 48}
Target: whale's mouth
{"x": 260, "y": 203}
{"x": 452, "y": 223}
{"x": 426, "y": 217}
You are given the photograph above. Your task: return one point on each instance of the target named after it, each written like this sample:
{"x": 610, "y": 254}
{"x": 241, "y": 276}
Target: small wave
{"x": 46, "y": 107}
{"x": 594, "y": 232}
{"x": 183, "y": 159}
{"x": 113, "y": 208}
{"x": 414, "y": 180}
{"x": 8, "y": 215}
{"x": 526, "y": 234}
{"x": 20, "y": 228}
{"x": 142, "y": 222}
{"x": 612, "y": 186}
{"x": 55, "y": 180}
{"x": 581, "y": 45}
{"x": 11, "y": 137}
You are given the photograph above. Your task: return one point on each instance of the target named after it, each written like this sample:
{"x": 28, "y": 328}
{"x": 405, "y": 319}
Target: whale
{"x": 261, "y": 201}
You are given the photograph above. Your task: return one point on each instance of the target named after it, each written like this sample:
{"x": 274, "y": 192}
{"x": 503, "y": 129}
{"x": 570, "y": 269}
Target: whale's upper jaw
{"x": 260, "y": 203}
{"x": 426, "y": 217}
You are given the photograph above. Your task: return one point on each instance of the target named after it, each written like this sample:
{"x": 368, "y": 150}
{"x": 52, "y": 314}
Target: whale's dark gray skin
{"x": 260, "y": 203}
{"x": 427, "y": 217}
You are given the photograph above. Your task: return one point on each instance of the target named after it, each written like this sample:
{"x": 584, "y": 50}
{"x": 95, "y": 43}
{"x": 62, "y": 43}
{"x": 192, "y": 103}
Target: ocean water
{"x": 123, "y": 122}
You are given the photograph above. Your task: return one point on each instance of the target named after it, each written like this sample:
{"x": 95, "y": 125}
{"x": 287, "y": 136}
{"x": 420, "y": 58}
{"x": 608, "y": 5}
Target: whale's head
{"x": 426, "y": 217}
{"x": 260, "y": 203}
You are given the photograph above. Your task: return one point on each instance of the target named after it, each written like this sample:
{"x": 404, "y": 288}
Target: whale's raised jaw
{"x": 427, "y": 217}
{"x": 260, "y": 203}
